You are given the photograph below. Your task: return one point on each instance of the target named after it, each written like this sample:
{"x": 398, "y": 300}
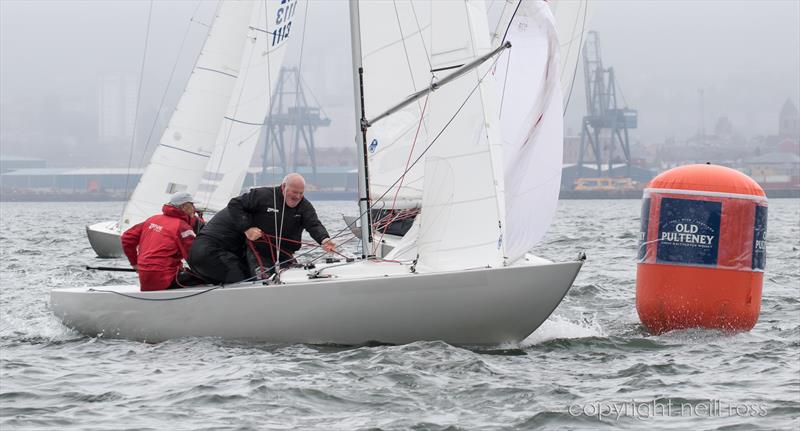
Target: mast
{"x": 361, "y": 126}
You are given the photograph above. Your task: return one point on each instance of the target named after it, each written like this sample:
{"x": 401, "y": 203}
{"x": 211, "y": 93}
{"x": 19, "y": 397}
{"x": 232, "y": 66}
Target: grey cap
{"x": 180, "y": 198}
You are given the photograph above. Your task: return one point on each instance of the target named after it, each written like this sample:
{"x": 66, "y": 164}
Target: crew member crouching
{"x": 156, "y": 246}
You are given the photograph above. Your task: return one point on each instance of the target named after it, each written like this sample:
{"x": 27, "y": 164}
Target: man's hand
{"x": 253, "y": 233}
{"x": 328, "y": 245}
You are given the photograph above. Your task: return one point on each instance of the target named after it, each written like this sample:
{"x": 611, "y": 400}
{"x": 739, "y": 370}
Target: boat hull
{"x": 104, "y": 238}
{"x": 473, "y": 307}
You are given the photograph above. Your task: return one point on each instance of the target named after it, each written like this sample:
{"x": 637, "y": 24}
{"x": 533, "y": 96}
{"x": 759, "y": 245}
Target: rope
{"x": 258, "y": 256}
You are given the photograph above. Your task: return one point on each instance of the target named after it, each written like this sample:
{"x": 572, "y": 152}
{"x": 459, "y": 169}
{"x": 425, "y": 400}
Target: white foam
{"x": 557, "y": 327}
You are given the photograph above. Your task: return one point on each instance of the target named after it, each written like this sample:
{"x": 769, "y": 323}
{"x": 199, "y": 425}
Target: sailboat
{"x": 191, "y": 140}
{"x": 463, "y": 272}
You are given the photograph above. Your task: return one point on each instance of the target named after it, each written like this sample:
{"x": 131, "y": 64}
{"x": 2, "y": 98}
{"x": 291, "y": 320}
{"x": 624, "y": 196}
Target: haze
{"x": 744, "y": 55}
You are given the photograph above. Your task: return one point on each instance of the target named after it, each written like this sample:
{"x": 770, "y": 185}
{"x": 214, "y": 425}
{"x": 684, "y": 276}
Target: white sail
{"x": 180, "y": 159}
{"x": 270, "y": 29}
{"x": 461, "y": 223}
{"x": 570, "y": 20}
{"x": 395, "y": 42}
{"x": 531, "y": 116}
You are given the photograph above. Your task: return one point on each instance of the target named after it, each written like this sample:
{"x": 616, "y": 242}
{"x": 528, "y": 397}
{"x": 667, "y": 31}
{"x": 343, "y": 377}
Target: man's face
{"x": 292, "y": 193}
{"x": 188, "y": 208}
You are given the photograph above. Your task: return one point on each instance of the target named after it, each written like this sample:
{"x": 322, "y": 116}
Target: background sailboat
{"x": 207, "y": 139}
{"x": 464, "y": 283}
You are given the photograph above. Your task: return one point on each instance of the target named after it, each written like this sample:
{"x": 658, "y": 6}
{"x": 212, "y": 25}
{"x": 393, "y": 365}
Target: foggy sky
{"x": 745, "y": 55}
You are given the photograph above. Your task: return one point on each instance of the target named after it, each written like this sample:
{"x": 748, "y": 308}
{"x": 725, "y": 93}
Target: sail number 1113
{"x": 283, "y": 21}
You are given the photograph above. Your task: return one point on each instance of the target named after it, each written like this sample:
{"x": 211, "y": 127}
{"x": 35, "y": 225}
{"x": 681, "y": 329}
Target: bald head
{"x": 293, "y": 187}
{"x": 295, "y": 179}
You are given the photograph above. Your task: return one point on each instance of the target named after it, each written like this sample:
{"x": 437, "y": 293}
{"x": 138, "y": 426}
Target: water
{"x": 590, "y": 366}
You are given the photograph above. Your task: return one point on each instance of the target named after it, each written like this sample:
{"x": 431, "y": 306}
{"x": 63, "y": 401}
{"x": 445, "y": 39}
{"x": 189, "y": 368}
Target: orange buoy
{"x": 702, "y": 250}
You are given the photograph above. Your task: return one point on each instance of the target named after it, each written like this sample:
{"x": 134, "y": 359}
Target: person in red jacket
{"x": 156, "y": 246}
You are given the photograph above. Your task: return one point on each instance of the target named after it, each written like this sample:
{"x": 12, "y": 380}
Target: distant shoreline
{"x": 345, "y": 196}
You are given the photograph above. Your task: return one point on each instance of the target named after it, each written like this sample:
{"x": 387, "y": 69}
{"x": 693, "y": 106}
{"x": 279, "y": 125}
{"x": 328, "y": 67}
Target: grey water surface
{"x": 590, "y": 366}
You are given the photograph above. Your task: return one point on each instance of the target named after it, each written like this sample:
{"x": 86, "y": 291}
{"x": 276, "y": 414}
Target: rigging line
{"x": 508, "y": 65}
{"x": 575, "y": 71}
{"x": 169, "y": 82}
{"x": 572, "y": 35}
{"x": 138, "y": 98}
{"x": 405, "y": 48}
{"x": 387, "y": 45}
{"x": 508, "y": 27}
{"x": 302, "y": 45}
{"x": 505, "y": 81}
{"x": 408, "y": 60}
{"x": 280, "y": 232}
{"x": 421, "y": 38}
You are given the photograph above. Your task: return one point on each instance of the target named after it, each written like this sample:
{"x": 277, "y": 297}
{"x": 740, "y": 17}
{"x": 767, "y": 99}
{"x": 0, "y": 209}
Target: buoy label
{"x": 688, "y": 232}
{"x": 760, "y": 239}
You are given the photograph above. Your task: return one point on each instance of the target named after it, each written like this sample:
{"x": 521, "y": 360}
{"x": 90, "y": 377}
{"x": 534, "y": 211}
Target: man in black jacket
{"x": 254, "y": 230}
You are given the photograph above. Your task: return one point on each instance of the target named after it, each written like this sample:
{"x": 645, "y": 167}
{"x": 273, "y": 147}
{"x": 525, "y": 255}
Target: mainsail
{"x": 269, "y": 30}
{"x": 180, "y": 159}
{"x": 396, "y": 63}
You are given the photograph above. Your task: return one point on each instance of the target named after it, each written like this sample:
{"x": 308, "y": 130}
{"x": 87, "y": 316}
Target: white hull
{"x": 105, "y": 239}
{"x": 390, "y": 305}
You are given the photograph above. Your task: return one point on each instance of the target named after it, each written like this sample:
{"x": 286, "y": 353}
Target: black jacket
{"x": 261, "y": 208}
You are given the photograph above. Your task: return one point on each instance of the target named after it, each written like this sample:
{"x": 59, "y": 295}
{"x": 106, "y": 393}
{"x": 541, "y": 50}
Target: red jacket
{"x": 157, "y": 245}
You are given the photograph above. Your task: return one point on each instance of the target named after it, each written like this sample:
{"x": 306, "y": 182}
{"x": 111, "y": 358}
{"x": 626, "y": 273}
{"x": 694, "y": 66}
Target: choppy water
{"x": 590, "y": 366}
